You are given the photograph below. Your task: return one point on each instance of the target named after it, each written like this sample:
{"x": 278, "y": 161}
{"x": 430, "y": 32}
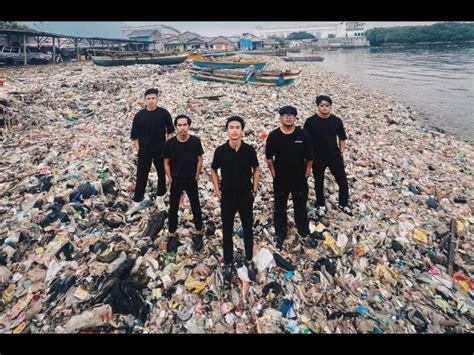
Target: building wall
{"x": 245, "y": 43}
{"x": 341, "y": 30}
{"x": 195, "y": 46}
{"x": 174, "y": 47}
{"x": 221, "y": 46}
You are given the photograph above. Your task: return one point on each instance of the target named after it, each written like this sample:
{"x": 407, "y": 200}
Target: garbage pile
{"x": 73, "y": 261}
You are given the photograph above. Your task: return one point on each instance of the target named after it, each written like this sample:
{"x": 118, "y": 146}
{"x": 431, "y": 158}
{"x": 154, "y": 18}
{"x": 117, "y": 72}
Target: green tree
{"x": 12, "y": 25}
{"x": 438, "y": 32}
{"x": 299, "y": 35}
{"x": 280, "y": 40}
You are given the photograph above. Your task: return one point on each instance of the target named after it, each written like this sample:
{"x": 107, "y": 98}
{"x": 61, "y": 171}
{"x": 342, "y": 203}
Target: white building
{"x": 336, "y": 30}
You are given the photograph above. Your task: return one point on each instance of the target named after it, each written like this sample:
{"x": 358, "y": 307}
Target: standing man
{"x": 289, "y": 157}
{"x": 324, "y": 129}
{"x": 150, "y": 129}
{"x": 183, "y": 162}
{"x": 240, "y": 173}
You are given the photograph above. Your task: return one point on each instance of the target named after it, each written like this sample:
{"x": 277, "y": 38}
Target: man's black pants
{"x": 336, "y": 166}
{"x": 176, "y": 189}
{"x": 232, "y": 202}
{"x": 299, "y": 195}
{"x": 144, "y": 164}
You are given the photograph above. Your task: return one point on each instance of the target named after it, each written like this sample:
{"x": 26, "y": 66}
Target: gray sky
{"x": 228, "y": 28}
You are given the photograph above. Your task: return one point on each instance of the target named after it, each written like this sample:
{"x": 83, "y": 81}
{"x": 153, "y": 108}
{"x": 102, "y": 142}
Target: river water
{"x": 437, "y": 81}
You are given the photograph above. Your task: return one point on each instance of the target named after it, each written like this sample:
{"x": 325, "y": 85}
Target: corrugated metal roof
{"x": 140, "y": 33}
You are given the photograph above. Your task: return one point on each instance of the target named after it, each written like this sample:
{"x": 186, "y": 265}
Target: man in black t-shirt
{"x": 150, "y": 130}
{"x": 240, "y": 173}
{"x": 324, "y": 128}
{"x": 183, "y": 162}
{"x": 289, "y": 157}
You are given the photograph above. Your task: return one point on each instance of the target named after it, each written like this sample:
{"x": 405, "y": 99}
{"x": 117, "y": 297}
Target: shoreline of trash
{"x": 70, "y": 257}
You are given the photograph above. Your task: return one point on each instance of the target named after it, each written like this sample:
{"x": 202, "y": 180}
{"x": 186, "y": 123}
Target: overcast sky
{"x": 238, "y": 27}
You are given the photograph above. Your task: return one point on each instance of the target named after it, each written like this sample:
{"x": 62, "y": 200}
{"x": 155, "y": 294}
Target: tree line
{"x": 438, "y": 32}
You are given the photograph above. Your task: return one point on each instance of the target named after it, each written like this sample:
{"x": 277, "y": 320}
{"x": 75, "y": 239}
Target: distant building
{"x": 153, "y": 36}
{"x": 222, "y": 43}
{"x": 250, "y": 42}
{"x": 192, "y": 41}
{"x": 339, "y": 30}
{"x": 270, "y": 44}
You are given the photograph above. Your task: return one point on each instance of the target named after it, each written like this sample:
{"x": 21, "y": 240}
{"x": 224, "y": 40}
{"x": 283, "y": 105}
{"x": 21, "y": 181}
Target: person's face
{"x": 182, "y": 127}
{"x": 324, "y": 107}
{"x": 151, "y": 101}
{"x": 288, "y": 120}
{"x": 234, "y": 130}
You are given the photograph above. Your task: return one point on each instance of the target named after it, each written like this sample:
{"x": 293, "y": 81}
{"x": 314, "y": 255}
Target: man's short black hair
{"x": 151, "y": 92}
{"x": 288, "y": 110}
{"x": 323, "y": 98}
{"x": 235, "y": 118}
{"x": 182, "y": 116}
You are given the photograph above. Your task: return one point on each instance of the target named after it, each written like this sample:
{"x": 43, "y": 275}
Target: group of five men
{"x": 291, "y": 152}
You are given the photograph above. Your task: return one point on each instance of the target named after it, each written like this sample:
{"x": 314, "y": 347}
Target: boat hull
{"x": 229, "y": 65}
{"x": 112, "y": 62}
{"x": 244, "y": 78}
{"x": 303, "y": 59}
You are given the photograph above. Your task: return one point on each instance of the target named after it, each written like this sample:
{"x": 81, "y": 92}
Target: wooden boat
{"x": 252, "y": 77}
{"x": 200, "y": 56}
{"x": 315, "y": 58}
{"x": 141, "y": 59}
{"x": 229, "y": 64}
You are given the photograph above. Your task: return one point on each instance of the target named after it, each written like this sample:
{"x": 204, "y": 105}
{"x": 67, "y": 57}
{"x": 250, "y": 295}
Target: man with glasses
{"x": 324, "y": 129}
{"x": 289, "y": 157}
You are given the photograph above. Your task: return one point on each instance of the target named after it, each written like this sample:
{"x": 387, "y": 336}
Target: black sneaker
{"x": 345, "y": 209}
{"x": 197, "y": 242}
{"x": 279, "y": 242}
{"x": 252, "y": 271}
{"x": 173, "y": 244}
{"x": 228, "y": 273}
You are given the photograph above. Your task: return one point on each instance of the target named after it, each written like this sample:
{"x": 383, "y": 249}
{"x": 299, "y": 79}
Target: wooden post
{"x": 54, "y": 50}
{"x": 76, "y": 43}
{"x": 24, "y": 49}
{"x": 93, "y": 47}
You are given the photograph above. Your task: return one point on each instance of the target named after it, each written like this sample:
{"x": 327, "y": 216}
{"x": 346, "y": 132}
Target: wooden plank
{"x": 452, "y": 246}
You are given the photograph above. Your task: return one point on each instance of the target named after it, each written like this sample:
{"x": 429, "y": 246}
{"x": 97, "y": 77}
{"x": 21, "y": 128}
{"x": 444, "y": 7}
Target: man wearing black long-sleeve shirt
{"x": 150, "y": 129}
{"x": 289, "y": 158}
{"x": 240, "y": 176}
{"x": 324, "y": 129}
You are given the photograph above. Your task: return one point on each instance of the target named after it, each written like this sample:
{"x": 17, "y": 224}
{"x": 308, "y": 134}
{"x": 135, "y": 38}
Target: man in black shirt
{"x": 324, "y": 129}
{"x": 150, "y": 129}
{"x": 183, "y": 162}
{"x": 289, "y": 157}
{"x": 240, "y": 173}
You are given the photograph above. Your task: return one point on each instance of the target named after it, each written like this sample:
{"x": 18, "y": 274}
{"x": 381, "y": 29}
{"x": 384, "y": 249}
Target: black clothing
{"x": 236, "y": 166}
{"x": 232, "y": 202}
{"x": 336, "y": 166}
{"x": 183, "y": 156}
{"x": 177, "y": 187}
{"x": 144, "y": 165}
{"x": 290, "y": 153}
{"x": 150, "y": 128}
{"x": 323, "y": 133}
{"x": 236, "y": 187}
